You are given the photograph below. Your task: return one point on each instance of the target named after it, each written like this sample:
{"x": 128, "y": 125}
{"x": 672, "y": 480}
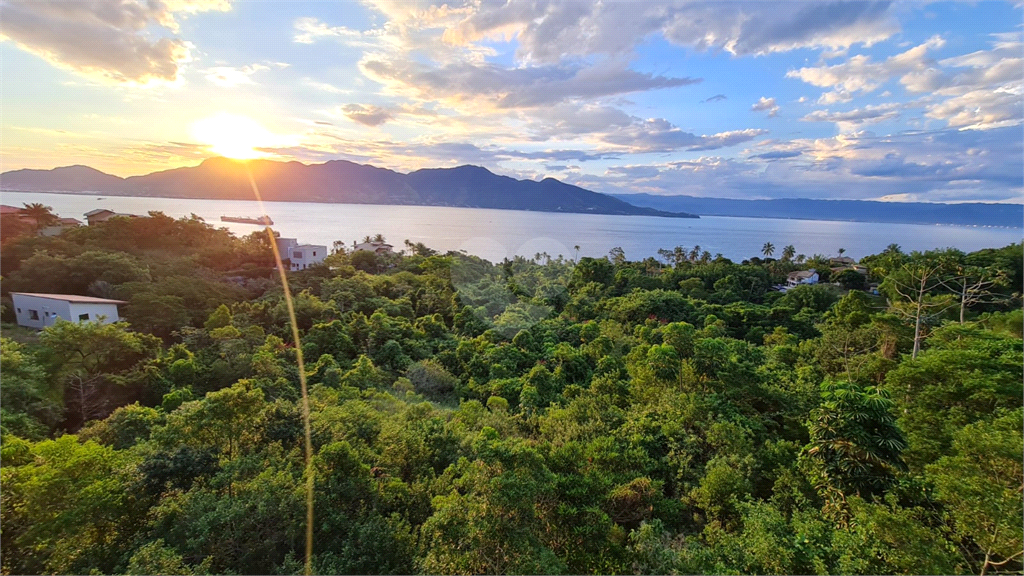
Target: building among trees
{"x": 41, "y": 310}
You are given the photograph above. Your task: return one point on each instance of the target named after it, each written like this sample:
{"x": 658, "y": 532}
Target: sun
{"x": 233, "y": 136}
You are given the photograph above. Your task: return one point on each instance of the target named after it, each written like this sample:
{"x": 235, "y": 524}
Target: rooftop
{"x": 71, "y": 298}
{"x": 802, "y": 274}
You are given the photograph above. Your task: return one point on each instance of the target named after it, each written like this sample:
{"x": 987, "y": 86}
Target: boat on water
{"x": 264, "y": 220}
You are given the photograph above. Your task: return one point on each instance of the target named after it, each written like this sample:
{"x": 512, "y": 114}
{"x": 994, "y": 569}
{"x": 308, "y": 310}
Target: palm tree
{"x": 800, "y": 258}
{"x": 367, "y": 238}
{"x": 842, "y": 251}
{"x": 788, "y": 252}
{"x": 768, "y": 249}
{"x": 679, "y": 254}
{"x": 42, "y": 215}
{"x": 893, "y": 248}
{"x": 705, "y": 257}
{"x": 695, "y": 253}
{"x": 378, "y": 238}
{"x": 818, "y": 262}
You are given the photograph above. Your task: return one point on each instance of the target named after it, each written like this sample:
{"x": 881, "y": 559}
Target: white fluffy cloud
{"x": 766, "y": 105}
{"x": 130, "y": 41}
{"x": 980, "y": 90}
{"x": 861, "y": 74}
{"x": 867, "y": 115}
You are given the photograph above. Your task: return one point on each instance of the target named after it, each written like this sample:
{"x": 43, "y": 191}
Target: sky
{"x": 905, "y": 101}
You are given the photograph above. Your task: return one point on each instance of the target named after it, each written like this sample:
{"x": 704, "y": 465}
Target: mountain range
{"x": 965, "y": 214}
{"x": 334, "y": 181}
{"x": 340, "y": 181}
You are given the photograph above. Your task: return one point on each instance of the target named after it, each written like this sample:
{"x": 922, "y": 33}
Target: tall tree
{"x": 788, "y": 252}
{"x": 92, "y": 360}
{"x": 855, "y": 445}
{"x": 768, "y": 249}
{"x": 980, "y": 484}
{"x": 974, "y": 285}
{"x": 41, "y": 214}
{"x": 912, "y": 293}
{"x": 679, "y": 255}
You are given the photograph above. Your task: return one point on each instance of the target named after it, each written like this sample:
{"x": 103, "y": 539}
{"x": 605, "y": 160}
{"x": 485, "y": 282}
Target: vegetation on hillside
{"x": 530, "y": 416}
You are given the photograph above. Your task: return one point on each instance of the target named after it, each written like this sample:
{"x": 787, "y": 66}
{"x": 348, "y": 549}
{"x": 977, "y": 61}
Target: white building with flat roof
{"x": 42, "y": 310}
{"x": 301, "y": 256}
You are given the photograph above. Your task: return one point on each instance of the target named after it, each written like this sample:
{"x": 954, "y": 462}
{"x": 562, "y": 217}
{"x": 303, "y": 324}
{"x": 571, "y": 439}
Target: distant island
{"x": 965, "y": 214}
{"x": 336, "y": 181}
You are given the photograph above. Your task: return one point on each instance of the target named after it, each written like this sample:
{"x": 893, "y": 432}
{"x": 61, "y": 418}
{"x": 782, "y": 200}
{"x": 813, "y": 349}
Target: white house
{"x": 302, "y": 256}
{"x": 42, "y": 310}
{"x": 378, "y": 247}
{"x": 801, "y": 277}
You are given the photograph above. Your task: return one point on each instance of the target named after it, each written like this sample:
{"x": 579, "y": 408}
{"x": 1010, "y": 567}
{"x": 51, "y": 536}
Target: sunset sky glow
{"x": 865, "y": 100}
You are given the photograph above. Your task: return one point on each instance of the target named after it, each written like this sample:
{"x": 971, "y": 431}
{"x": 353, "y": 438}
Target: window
{"x": 83, "y": 317}
{"x": 33, "y": 315}
{"x": 297, "y": 255}
{"x": 314, "y": 252}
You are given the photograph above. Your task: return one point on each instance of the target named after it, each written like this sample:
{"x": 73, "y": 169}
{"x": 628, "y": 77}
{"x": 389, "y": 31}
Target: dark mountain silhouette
{"x": 335, "y": 181}
{"x": 968, "y": 214}
{"x": 71, "y": 179}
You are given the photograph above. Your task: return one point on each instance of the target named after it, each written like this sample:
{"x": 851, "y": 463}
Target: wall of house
{"x": 306, "y": 255}
{"x": 104, "y": 313}
{"x": 36, "y": 312}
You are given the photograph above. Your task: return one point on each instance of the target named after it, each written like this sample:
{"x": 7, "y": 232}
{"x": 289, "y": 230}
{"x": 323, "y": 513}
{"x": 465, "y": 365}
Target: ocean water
{"x": 496, "y": 234}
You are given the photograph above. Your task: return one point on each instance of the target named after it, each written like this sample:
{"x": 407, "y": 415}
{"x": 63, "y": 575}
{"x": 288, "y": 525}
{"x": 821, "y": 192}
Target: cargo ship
{"x": 264, "y": 220}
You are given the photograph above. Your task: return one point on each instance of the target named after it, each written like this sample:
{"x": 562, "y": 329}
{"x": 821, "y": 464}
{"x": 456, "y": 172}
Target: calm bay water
{"x": 495, "y": 234}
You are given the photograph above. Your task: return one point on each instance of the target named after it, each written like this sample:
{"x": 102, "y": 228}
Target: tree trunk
{"x": 917, "y": 332}
{"x": 963, "y": 301}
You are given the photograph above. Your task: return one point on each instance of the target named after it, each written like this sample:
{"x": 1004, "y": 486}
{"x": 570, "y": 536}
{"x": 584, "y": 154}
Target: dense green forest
{"x": 538, "y": 415}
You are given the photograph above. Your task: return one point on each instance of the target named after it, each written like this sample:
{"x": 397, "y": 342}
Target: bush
{"x": 430, "y": 378}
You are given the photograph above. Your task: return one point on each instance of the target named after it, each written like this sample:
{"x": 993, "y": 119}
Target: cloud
{"x": 310, "y": 30}
{"x": 547, "y": 31}
{"x": 229, "y": 76}
{"x": 940, "y": 166}
{"x": 861, "y": 74}
{"x": 125, "y": 42}
{"x": 660, "y": 135}
{"x": 766, "y": 105}
{"x": 867, "y": 115}
{"x": 979, "y": 90}
{"x": 716, "y": 98}
{"x": 509, "y": 88}
{"x": 368, "y": 115}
